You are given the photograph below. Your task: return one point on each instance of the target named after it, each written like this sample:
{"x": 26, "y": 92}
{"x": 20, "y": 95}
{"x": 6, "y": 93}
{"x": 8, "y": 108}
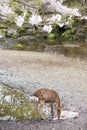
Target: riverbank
{"x": 31, "y": 70}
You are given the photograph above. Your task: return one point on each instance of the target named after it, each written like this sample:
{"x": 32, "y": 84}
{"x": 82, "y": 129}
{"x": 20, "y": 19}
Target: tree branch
{"x": 23, "y": 3}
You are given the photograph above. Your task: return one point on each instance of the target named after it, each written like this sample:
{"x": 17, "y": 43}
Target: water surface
{"x": 69, "y": 49}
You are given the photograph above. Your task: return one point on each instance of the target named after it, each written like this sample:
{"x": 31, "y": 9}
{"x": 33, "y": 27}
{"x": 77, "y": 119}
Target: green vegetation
{"x": 75, "y": 30}
{"x": 14, "y": 104}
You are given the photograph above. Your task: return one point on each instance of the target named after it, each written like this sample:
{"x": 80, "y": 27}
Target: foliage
{"x": 69, "y": 34}
{"x": 41, "y": 16}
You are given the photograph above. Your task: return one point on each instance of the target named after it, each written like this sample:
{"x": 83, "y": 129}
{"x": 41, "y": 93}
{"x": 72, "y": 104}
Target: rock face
{"x": 15, "y": 105}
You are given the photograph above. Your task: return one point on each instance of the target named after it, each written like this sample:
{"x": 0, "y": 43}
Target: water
{"x": 69, "y": 49}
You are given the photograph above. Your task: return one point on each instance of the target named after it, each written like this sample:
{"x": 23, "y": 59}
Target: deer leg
{"x": 58, "y": 108}
{"x": 58, "y": 112}
{"x": 39, "y": 107}
{"x": 52, "y": 112}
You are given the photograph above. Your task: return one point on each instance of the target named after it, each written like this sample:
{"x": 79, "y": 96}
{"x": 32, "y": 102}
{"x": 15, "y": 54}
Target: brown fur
{"x": 48, "y": 96}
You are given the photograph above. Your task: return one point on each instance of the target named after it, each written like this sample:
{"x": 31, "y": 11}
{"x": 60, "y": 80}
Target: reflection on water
{"x": 15, "y": 105}
{"x": 70, "y": 49}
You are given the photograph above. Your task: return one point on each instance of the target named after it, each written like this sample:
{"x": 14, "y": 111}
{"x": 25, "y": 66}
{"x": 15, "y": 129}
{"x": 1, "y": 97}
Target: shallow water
{"x": 69, "y": 49}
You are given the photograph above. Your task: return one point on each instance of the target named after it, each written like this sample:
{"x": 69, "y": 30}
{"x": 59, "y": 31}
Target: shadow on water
{"x": 70, "y": 49}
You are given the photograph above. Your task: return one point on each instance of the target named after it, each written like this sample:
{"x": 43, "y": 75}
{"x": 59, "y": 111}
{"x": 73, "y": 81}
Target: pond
{"x": 70, "y": 48}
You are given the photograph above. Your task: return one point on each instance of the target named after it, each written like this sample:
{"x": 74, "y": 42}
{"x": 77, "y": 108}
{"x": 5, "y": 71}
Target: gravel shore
{"x": 31, "y": 70}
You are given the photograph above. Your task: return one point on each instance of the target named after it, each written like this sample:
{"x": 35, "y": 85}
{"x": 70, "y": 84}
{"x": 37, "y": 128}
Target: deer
{"x": 50, "y": 96}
